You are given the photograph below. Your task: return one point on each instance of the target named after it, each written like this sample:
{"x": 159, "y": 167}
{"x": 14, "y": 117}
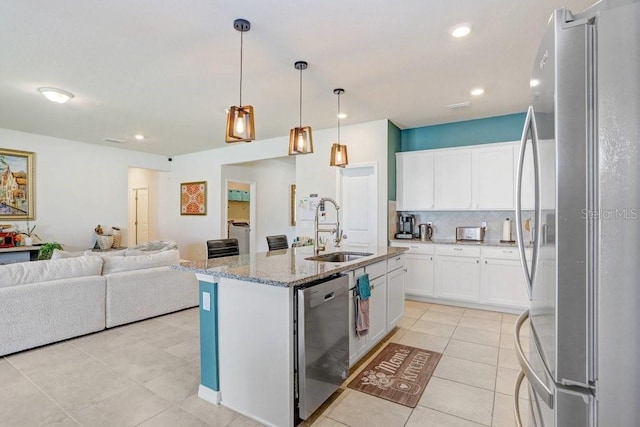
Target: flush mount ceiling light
{"x": 339, "y": 151}
{"x": 460, "y": 30}
{"x": 139, "y": 137}
{"x": 55, "y": 95}
{"x": 240, "y": 126}
{"x": 477, "y": 91}
{"x": 300, "y": 138}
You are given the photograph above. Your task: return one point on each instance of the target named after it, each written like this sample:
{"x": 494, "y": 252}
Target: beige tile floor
{"x": 147, "y": 374}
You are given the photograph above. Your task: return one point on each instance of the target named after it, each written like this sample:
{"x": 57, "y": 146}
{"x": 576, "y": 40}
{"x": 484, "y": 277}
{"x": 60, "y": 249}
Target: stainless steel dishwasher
{"x": 322, "y": 334}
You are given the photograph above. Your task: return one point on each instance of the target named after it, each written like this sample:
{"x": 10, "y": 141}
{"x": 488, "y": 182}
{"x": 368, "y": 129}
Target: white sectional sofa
{"x": 47, "y": 301}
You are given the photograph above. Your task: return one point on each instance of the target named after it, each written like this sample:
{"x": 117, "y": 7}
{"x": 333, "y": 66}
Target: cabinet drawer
{"x": 458, "y": 250}
{"x": 505, "y": 252}
{"x": 376, "y": 270}
{"x": 395, "y": 263}
{"x": 414, "y": 247}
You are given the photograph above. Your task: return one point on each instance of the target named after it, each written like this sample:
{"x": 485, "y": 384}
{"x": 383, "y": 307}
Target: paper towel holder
{"x": 506, "y": 232}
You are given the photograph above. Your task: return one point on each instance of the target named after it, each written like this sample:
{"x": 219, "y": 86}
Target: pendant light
{"x": 339, "y": 151}
{"x": 240, "y": 126}
{"x": 300, "y": 138}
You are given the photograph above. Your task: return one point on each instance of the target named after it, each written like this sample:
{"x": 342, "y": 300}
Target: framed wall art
{"x": 17, "y": 185}
{"x": 193, "y": 198}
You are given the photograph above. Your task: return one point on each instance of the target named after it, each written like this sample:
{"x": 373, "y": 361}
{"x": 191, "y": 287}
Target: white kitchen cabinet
{"x": 414, "y": 181}
{"x": 419, "y": 266}
{"x": 453, "y": 187}
{"x": 360, "y": 345}
{"x": 493, "y": 177}
{"x": 377, "y": 310}
{"x": 457, "y": 273}
{"x": 395, "y": 292}
{"x": 502, "y": 279}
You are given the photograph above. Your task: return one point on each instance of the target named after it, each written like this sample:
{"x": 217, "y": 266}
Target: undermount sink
{"x": 339, "y": 256}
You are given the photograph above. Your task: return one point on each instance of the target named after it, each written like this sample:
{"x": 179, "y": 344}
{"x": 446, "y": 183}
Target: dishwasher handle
{"x": 329, "y": 296}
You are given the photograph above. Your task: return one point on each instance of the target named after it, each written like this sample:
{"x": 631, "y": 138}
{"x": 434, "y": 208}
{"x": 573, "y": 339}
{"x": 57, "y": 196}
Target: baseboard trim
{"x": 209, "y": 395}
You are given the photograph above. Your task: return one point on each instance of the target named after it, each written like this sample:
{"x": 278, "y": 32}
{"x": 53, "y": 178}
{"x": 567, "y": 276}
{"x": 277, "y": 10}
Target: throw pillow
{"x": 58, "y": 254}
{"x": 139, "y": 262}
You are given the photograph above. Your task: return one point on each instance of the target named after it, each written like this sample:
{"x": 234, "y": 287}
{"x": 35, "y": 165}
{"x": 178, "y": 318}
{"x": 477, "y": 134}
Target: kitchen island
{"x": 247, "y": 324}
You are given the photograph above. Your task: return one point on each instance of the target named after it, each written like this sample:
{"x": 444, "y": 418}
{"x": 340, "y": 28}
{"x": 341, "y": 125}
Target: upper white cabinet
{"x": 414, "y": 181}
{"x": 453, "y": 179}
{"x": 480, "y": 177}
{"x": 493, "y": 177}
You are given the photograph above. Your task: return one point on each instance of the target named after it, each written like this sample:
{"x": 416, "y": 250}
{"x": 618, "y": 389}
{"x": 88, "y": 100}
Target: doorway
{"x": 139, "y": 218}
{"x": 240, "y": 214}
{"x": 358, "y": 189}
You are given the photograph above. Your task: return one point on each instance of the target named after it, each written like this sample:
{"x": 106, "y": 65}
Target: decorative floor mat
{"x": 398, "y": 373}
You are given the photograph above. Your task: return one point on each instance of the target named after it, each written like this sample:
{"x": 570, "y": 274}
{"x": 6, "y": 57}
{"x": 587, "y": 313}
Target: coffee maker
{"x": 406, "y": 226}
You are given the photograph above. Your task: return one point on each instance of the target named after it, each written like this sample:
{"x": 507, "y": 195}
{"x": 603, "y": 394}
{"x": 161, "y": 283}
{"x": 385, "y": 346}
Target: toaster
{"x": 475, "y": 234}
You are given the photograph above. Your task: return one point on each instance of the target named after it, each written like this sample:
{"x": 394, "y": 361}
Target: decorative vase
{"x": 117, "y": 237}
{"x": 105, "y": 241}
{"x": 28, "y": 241}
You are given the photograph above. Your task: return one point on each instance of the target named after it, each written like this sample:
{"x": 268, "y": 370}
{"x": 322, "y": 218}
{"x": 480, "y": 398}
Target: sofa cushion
{"x": 120, "y": 252}
{"x": 58, "y": 254}
{"x": 156, "y": 245}
{"x": 139, "y": 262}
{"x": 43, "y": 271}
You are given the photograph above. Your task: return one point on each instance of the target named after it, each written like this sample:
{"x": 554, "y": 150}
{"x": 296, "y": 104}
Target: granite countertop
{"x": 285, "y": 268}
{"x": 459, "y": 242}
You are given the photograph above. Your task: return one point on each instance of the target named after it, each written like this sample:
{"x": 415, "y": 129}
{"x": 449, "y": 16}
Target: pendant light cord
{"x": 300, "y": 97}
{"x": 241, "y": 44}
{"x": 338, "y": 118}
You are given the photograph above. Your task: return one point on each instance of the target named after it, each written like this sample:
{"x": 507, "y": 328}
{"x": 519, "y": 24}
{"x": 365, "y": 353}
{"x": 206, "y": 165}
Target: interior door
{"x": 359, "y": 208}
{"x": 141, "y": 217}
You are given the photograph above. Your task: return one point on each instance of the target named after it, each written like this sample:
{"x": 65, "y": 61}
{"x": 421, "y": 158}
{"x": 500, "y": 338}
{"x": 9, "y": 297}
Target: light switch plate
{"x": 206, "y": 301}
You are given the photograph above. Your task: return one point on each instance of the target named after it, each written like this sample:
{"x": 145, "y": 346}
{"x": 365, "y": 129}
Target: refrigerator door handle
{"x": 516, "y": 399}
{"x": 529, "y": 124}
{"x": 534, "y": 380}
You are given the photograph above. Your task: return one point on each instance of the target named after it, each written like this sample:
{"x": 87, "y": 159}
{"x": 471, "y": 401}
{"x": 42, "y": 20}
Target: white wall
{"x": 367, "y": 143}
{"x": 78, "y": 186}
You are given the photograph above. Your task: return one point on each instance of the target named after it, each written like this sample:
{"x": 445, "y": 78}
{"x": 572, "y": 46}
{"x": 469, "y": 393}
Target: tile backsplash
{"x": 445, "y": 222}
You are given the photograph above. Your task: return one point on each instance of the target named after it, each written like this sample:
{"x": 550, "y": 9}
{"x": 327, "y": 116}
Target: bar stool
{"x": 277, "y": 242}
{"x": 222, "y": 247}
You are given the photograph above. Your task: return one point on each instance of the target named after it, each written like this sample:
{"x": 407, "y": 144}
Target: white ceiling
{"x": 168, "y": 69}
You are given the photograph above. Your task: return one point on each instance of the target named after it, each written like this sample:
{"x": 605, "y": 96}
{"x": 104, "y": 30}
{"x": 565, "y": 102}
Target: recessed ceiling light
{"x": 55, "y": 95}
{"x": 477, "y": 91}
{"x": 534, "y": 82}
{"x": 460, "y": 30}
{"x": 139, "y": 137}
{"x": 342, "y": 116}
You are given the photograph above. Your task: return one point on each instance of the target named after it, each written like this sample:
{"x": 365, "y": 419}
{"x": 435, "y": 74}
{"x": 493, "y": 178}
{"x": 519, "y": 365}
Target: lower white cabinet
{"x": 386, "y": 304}
{"x": 457, "y": 273}
{"x": 395, "y": 297}
{"x": 419, "y": 277}
{"x": 502, "y": 279}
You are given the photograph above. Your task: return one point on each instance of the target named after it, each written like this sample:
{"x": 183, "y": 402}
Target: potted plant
{"x": 46, "y": 249}
{"x": 28, "y": 234}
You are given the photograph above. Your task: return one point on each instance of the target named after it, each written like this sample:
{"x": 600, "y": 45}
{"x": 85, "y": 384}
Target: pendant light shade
{"x": 240, "y": 127}
{"x": 300, "y": 138}
{"x": 339, "y": 151}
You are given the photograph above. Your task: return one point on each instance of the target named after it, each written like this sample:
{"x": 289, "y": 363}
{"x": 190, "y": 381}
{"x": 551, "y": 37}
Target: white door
{"x": 142, "y": 215}
{"x": 359, "y": 207}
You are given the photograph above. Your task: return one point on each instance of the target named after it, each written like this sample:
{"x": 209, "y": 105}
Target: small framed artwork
{"x": 193, "y": 198}
{"x": 17, "y": 184}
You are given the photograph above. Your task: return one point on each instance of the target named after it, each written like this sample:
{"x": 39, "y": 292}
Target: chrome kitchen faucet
{"x": 335, "y": 230}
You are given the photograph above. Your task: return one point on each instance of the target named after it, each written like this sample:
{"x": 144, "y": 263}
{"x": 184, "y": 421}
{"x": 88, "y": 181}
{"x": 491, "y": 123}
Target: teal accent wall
{"x": 394, "y": 144}
{"x": 457, "y": 134}
{"x": 209, "y": 366}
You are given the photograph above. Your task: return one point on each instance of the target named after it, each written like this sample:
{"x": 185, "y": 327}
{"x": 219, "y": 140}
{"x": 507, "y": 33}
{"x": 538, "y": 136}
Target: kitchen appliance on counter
{"x": 475, "y": 234}
{"x": 426, "y": 231}
{"x": 583, "y": 134}
{"x": 322, "y": 335}
{"x": 406, "y": 226}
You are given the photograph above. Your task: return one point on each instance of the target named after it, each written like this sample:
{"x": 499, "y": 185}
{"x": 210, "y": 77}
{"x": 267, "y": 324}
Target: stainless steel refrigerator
{"x": 582, "y": 138}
